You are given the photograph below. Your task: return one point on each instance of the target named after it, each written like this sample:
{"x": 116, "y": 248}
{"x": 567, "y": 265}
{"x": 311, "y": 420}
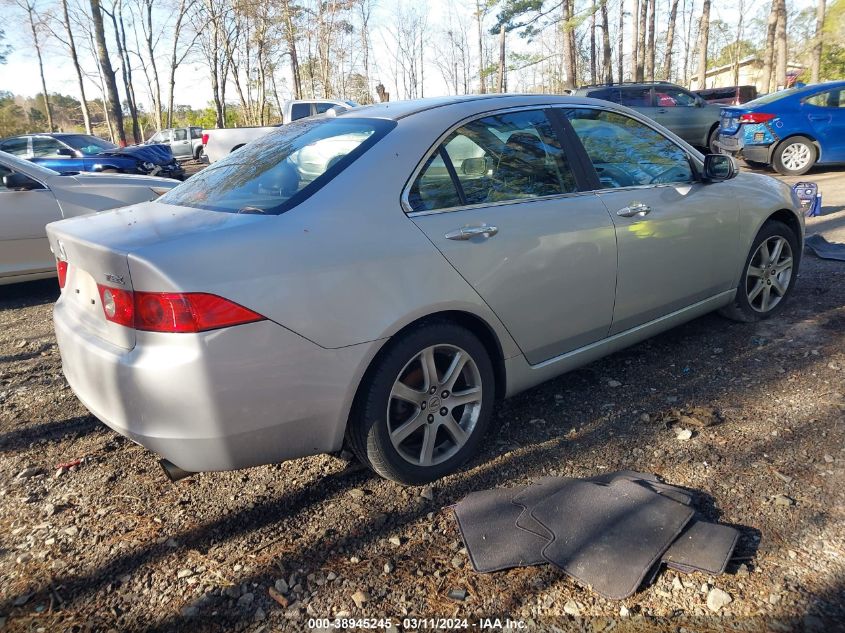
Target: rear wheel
{"x": 426, "y": 406}
{"x": 769, "y": 274}
{"x": 711, "y": 141}
{"x": 795, "y": 156}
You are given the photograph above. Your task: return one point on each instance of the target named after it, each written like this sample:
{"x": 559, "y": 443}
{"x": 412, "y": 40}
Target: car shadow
{"x": 28, "y": 293}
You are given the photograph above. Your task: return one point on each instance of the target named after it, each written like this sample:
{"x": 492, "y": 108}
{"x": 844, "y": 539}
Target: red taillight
{"x": 205, "y": 138}
{"x": 118, "y": 305}
{"x": 61, "y": 269}
{"x": 173, "y": 312}
{"x": 756, "y": 117}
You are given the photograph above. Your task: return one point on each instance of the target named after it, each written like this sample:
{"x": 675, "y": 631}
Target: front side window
{"x": 43, "y": 147}
{"x": 673, "y": 98}
{"x": 499, "y": 158}
{"x": 828, "y": 99}
{"x": 627, "y": 153}
{"x": 300, "y": 111}
{"x": 279, "y": 170}
{"x": 180, "y": 135}
{"x": 88, "y": 145}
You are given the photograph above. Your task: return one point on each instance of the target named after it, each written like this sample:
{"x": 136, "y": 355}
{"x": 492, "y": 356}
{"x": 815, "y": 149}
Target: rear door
{"x": 23, "y": 238}
{"x": 678, "y": 110}
{"x": 826, "y": 114}
{"x": 181, "y": 144}
{"x": 499, "y": 198}
{"x": 678, "y": 238}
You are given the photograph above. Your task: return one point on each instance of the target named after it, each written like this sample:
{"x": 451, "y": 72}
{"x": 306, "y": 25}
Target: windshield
{"x": 772, "y": 96}
{"x": 279, "y": 170}
{"x": 88, "y": 145}
{"x": 26, "y": 167}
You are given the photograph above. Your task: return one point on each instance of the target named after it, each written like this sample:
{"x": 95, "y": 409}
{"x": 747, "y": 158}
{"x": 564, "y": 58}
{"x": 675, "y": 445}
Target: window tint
{"x": 180, "y": 135}
{"x": 434, "y": 187}
{"x": 16, "y": 146}
{"x": 45, "y": 147}
{"x": 196, "y": 132}
{"x": 300, "y": 111}
{"x": 4, "y": 171}
{"x": 608, "y": 94}
{"x": 88, "y": 145}
{"x": 635, "y": 97}
{"x": 672, "y": 97}
{"x": 627, "y": 153}
{"x": 504, "y": 157}
{"x": 281, "y": 169}
{"x": 320, "y": 108}
{"x": 829, "y": 99}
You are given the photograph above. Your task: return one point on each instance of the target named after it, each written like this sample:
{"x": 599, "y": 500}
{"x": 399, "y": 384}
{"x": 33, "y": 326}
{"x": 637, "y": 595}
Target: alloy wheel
{"x": 796, "y": 156}
{"x": 434, "y": 405}
{"x": 769, "y": 273}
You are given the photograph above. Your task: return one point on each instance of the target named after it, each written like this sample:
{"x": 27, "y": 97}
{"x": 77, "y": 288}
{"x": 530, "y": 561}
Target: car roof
{"x": 395, "y": 110}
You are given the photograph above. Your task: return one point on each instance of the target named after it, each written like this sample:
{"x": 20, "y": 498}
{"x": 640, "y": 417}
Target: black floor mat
{"x": 824, "y": 249}
{"x": 487, "y": 520}
{"x": 609, "y": 536}
{"x": 703, "y": 546}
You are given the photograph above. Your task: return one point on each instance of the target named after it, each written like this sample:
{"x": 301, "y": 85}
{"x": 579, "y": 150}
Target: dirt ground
{"x": 109, "y": 545}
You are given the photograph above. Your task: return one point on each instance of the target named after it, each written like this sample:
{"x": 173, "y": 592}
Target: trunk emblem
{"x": 115, "y": 279}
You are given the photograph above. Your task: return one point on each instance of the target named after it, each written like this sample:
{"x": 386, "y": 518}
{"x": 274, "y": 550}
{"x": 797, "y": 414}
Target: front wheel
{"x": 425, "y": 406}
{"x": 795, "y": 156}
{"x": 769, "y": 274}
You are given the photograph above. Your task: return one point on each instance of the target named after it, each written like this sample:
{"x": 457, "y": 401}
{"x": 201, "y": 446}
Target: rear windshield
{"x": 279, "y": 170}
{"x": 772, "y": 96}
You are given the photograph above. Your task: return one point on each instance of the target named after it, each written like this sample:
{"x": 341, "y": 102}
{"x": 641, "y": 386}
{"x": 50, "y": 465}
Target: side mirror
{"x": 20, "y": 182}
{"x": 64, "y": 151}
{"x": 474, "y": 166}
{"x": 719, "y": 167}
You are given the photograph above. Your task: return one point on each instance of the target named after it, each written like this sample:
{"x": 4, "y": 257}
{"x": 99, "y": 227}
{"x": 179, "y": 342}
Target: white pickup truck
{"x": 221, "y": 142}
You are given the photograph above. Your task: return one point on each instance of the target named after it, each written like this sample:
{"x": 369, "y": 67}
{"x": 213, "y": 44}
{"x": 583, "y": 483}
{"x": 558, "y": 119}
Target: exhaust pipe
{"x": 173, "y": 472}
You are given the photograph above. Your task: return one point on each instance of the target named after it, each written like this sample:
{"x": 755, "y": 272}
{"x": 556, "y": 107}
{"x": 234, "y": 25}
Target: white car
{"x": 32, "y": 196}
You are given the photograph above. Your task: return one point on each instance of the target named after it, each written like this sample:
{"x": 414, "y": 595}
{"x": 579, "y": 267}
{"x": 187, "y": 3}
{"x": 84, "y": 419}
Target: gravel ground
{"x": 109, "y": 544}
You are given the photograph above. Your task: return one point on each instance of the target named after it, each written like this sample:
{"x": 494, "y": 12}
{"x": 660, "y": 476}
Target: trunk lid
{"x": 97, "y": 249}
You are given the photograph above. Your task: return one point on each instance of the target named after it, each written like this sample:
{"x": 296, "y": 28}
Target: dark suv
{"x": 674, "y": 107}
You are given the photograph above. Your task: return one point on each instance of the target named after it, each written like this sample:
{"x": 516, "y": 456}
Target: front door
{"x": 677, "y": 237}
{"x": 181, "y": 144}
{"x": 500, "y": 200}
{"x": 826, "y": 113}
{"x": 46, "y": 150}
{"x": 23, "y": 239}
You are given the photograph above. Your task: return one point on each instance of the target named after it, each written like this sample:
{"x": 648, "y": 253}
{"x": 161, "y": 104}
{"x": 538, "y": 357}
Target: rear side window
{"x": 500, "y": 158}
{"x": 828, "y": 99}
{"x": 43, "y": 147}
{"x": 608, "y": 94}
{"x": 322, "y": 107}
{"x": 627, "y": 153}
{"x": 279, "y": 170}
{"x": 16, "y": 146}
{"x": 635, "y": 97}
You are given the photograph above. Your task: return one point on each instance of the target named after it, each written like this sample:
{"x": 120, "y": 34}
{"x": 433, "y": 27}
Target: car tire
{"x": 768, "y": 277}
{"x": 412, "y": 429}
{"x": 711, "y": 141}
{"x": 795, "y": 156}
{"x": 198, "y": 153}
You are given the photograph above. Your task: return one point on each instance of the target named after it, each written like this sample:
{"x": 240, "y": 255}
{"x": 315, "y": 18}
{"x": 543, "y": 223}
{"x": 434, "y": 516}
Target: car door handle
{"x": 819, "y": 117}
{"x": 468, "y": 232}
{"x": 661, "y": 110}
{"x": 634, "y": 210}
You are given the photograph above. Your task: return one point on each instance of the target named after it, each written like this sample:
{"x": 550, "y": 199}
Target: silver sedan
{"x": 32, "y": 196}
{"x": 381, "y": 278}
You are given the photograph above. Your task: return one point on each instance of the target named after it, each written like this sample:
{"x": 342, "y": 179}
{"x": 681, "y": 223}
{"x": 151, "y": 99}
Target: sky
{"x": 20, "y": 74}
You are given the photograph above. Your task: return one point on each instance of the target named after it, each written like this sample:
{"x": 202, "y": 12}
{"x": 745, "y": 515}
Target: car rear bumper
{"x": 220, "y": 400}
{"x": 735, "y": 146}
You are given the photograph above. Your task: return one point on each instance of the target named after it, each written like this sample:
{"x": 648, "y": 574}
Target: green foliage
{"x": 733, "y": 51}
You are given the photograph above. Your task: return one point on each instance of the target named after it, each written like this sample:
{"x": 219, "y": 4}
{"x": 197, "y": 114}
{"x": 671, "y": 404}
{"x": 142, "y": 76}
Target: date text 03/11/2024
{"x": 410, "y": 623}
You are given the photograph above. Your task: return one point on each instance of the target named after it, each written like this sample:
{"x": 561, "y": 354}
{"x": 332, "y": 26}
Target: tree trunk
{"x": 641, "y": 41}
{"x": 479, "y": 17}
{"x": 649, "y": 62}
{"x": 86, "y": 115}
{"x": 108, "y": 73}
{"x": 670, "y": 41}
{"x": 593, "y": 9}
{"x": 501, "y": 78}
{"x": 606, "y": 61}
{"x": 769, "y": 52}
{"x": 780, "y": 46}
{"x": 703, "y": 40}
{"x": 620, "y": 41}
{"x": 125, "y": 70}
{"x": 569, "y": 67}
{"x": 816, "y": 67}
{"x": 635, "y": 39}
{"x": 30, "y": 11}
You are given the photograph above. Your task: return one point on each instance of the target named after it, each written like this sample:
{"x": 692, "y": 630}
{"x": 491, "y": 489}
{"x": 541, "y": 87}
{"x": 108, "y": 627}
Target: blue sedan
{"x": 792, "y": 130}
{"x": 69, "y": 153}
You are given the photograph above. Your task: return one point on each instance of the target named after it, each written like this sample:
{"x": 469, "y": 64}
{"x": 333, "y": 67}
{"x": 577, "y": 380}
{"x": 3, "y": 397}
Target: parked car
{"x": 31, "y": 196}
{"x": 730, "y": 95}
{"x": 452, "y": 251}
{"x": 70, "y": 153}
{"x": 674, "y": 107}
{"x": 184, "y": 142}
{"x": 791, "y": 130}
{"x": 221, "y": 142}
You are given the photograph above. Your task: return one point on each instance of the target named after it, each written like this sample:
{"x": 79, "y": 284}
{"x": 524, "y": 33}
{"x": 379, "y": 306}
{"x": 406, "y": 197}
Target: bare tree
{"x": 650, "y": 54}
{"x": 635, "y": 40}
{"x": 670, "y": 40}
{"x": 177, "y": 57}
{"x": 769, "y": 51}
{"x": 606, "y": 62}
{"x": 500, "y": 87}
{"x": 641, "y": 41}
{"x": 480, "y": 12}
{"x": 67, "y": 38}
{"x": 35, "y": 28}
{"x": 620, "y": 40}
{"x": 569, "y": 50}
{"x": 816, "y": 63}
{"x": 116, "y": 15}
{"x": 110, "y": 85}
{"x": 703, "y": 35}
{"x": 593, "y": 10}
{"x": 780, "y": 45}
